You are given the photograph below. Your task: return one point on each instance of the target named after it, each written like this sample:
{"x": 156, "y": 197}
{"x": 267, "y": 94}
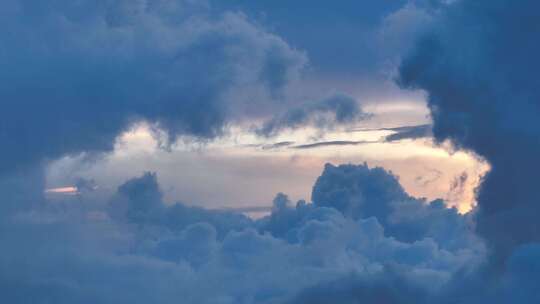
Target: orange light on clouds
{"x": 70, "y": 190}
{"x": 246, "y": 167}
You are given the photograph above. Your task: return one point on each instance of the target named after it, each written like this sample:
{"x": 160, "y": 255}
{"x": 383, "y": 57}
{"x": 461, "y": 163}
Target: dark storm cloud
{"x": 400, "y": 133}
{"x": 361, "y": 192}
{"x": 409, "y": 132}
{"x": 479, "y": 68}
{"x": 325, "y": 31}
{"x": 390, "y": 287}
{"x": 343, "y": 38}
{"x": 76, "y": 74}
{"x": 323, "y": 114}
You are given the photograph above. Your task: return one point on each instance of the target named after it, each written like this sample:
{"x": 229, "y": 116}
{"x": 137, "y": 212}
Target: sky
{"x": 205, "y": 151}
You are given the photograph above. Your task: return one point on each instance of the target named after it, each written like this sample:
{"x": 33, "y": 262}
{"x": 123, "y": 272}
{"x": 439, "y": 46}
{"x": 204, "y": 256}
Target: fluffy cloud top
{"x": 146, "y": 251}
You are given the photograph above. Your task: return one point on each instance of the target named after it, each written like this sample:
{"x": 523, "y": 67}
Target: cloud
{"x": 409, "y": 132}
{"x": 334, "y": 30}
{"x": 323, "y": 114}
{"x": 149, "y": 251}
{"x": 140, "y": 201}
{"x": 22, "y": 190}
{"x": 277, "y": 145}
{"x": 78, "y": 74}
{"x": 361, "y": 192}
{"x": 390, "y": 286}
{"x": 484, "y": 97}
{"x": 524, "y": 270}
{"x": 333, "y": 143}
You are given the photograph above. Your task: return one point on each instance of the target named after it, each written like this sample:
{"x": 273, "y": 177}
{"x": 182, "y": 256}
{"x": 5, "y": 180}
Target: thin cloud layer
{"x": 409, "y": 132}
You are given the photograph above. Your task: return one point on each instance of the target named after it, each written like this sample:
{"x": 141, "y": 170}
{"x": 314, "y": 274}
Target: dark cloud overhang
{"x": 100, "y": 66}
{"x": 478, "y": 67}
{"x": 340, "y": 39}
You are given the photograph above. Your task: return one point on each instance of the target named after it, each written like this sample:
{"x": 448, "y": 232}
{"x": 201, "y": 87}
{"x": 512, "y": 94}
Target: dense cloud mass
{"x": 76, "y": 74}
{"x": 140, "y": 201}
{"x": 484, "y": 96}
{"x": 359, "y": 192}
{"x": 142, "y": 250}
{"x": 347, "y": 37}
{"x": 479, "y": 69}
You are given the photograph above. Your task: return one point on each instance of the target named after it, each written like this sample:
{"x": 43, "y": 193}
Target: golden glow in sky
{"x": 243, "y": 170}
{"x": 63, "y": 190}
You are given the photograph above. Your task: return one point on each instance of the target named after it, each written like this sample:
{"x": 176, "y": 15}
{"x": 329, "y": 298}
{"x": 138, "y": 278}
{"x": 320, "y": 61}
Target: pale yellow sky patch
{"x": 240, "y": 170}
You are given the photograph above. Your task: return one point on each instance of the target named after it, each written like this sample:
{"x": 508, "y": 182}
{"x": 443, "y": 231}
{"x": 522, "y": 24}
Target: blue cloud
{"x": 139, "y": 201}
{"x": 197, "y": 255}
{"x": 339, "y": 37}
{"x": 477, "y": 67}
{"x": 77, "y": 74}
{"x": 324, "y": 114}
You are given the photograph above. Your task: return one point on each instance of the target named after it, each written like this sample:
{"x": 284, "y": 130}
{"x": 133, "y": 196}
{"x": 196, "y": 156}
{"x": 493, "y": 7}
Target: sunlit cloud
{"x": 70, "y": 190}
{"x": 247, "y": 170}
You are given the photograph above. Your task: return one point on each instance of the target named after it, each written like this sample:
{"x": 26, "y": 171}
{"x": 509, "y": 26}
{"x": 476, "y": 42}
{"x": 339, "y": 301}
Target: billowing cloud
{"x": 324, "y": 114}
{"x": 77, "y": 74}
{"x": 143, "y": 250}
{"x": 477, "y": 68}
